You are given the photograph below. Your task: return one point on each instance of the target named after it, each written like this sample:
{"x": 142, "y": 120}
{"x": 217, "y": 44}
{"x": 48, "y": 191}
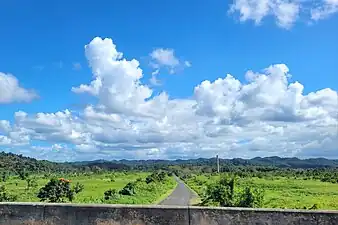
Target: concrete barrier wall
{"x": 70, "y": 214}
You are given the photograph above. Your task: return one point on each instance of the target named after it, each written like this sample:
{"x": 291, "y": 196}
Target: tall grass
{"x": 281, "y": 192}
{"x": 95, "y": 185}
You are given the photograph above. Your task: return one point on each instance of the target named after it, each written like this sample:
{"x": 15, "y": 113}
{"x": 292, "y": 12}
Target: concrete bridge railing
{"x": 71, "y": 214}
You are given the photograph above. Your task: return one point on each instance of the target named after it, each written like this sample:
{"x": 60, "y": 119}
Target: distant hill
{"x": 274, "y": 161}
{"x": 12, "y": 162}
{"x": 294, "y": 162}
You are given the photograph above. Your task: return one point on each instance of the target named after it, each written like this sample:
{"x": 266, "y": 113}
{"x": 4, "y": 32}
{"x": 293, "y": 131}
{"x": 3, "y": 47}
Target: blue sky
{"x": 178, "y": 44}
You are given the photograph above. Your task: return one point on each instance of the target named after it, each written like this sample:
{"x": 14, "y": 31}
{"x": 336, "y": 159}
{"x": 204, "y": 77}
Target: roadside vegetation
{"x": 103, "y": 187}
{"x": 264, "y": 190}
{"x": 271, "y": 182}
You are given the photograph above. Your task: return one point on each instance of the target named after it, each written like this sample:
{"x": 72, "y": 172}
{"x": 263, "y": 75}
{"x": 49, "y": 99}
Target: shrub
{"x": 22, "y": 173}
{"x": 31, "y": 182}
{"x": 111, "y": 194}
{"x": 251, "y": 198}
{"x": 225, "y": 194}
{"x": 6, "y": 197}
{"x": 222, "y": 192}
{"x": 129, "y": 189}
{"x": 59, "y": 190}
{"x": 4, "y": 176}
{"x": 78, "y": 188}
{"x": 156, "y": 177}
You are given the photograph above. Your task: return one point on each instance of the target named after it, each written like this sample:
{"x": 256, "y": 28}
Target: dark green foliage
{"x": 252, "y": 198}
{"x": 59, "y": 190}
{"x": 78, "y": 188}
{"x": 129, "y": 189}
{"x": 156, "y": 177}
{"x": 31, "y": 182}
{"x": 111, "y": 194}
{"x": 257, "y": 167}
{"x": 5, "y": 196}
{"x": 22, "y": 173}
{"x": 314, "y": 207}
{"x": 21, "y": 165}
{"x": 224, "y": 193}
{"x": 170, "y": 173}
{"x": 4, "y": 176}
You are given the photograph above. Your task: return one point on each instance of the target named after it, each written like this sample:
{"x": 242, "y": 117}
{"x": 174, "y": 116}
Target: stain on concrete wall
{"x": 68, "y": 214}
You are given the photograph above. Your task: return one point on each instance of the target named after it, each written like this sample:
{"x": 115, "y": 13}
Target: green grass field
{"x": 282, "y": 192}
{"x": 96, "y": 185}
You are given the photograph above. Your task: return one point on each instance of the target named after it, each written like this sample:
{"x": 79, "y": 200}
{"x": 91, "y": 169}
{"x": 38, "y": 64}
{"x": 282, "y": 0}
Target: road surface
{"x": 181, "y": 196}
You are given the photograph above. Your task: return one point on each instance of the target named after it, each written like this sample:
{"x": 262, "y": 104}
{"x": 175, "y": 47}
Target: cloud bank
{"x": 285, "y": 12}
{"x": 265, "y": 115}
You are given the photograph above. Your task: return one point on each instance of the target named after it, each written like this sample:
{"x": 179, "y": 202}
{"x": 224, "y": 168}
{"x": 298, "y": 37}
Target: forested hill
{"x": 258, "y": 161}
{"x": 12, "y": 163}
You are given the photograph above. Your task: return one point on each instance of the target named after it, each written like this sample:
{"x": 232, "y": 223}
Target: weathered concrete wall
{"x": 235, "y": 216}
{"x": 69, "y": 214}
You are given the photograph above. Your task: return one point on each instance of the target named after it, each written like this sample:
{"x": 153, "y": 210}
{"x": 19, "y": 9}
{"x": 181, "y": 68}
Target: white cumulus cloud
{"x": 324, "y": 10}
{"x": 286, "y": 12}
{"x": 11, "y": 91}
{"x": 262, "y": 116}
{"x": 165, "y": 59}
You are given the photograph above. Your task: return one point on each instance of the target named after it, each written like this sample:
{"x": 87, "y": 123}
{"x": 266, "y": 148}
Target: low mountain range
{"x": 11, "y": 162}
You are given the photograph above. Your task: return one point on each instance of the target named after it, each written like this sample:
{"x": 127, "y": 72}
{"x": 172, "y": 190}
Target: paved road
{"x": 181, "y": 196}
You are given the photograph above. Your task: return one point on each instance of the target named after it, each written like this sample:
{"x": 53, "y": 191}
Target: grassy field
{"x": 96, "y": 185}
{"x": 282, "y": 192}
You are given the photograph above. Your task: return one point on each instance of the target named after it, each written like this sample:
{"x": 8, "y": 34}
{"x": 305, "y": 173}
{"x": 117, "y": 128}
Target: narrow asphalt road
{"x": 181, "y": 196}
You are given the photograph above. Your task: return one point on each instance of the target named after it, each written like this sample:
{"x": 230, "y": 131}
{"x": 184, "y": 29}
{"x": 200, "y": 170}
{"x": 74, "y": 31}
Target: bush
{"x": 59, "y": 190}
{"x": 111, "y": 194}
{"x": 22, "y": 173}
{"x": 6, "y": 197}
{"x": 222, "y": 192}
{"x": 78, "y": 188}
{"x": 251, "y": 198}
{"x": 225, "y": 194}
{"x": 129, "y": 189}
{"x": 4, "y": 176}
{"x": 31, "y": 182}
{"x": 156, "y": 177}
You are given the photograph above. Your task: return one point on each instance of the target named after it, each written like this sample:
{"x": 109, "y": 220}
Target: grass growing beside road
{"x": 281, "y": 192}
{"x": 96, "y": 184}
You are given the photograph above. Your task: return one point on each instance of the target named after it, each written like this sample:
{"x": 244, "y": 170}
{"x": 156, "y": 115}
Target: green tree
{"x": 22, "y": 173}
{"x": 225, "y": 194}
{"x": 59, "y": 190}
{"x": 221, "y": 192}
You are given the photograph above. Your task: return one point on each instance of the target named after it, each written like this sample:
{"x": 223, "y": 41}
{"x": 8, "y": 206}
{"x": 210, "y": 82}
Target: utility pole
{"x": 217, "y": 160}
